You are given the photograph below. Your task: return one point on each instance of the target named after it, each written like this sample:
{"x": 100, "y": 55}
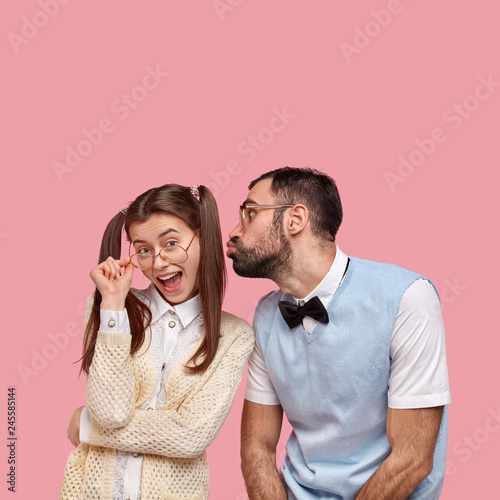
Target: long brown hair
{"x": 201, "y": 216}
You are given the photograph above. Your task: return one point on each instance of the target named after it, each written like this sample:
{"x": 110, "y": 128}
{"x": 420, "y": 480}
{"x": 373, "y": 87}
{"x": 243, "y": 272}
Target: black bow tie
{"x": 293, "y": 314}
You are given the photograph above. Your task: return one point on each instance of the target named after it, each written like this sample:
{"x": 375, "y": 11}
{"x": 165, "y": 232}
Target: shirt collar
{"x": 186, "y": 311}
{"x": 331, "y": 282}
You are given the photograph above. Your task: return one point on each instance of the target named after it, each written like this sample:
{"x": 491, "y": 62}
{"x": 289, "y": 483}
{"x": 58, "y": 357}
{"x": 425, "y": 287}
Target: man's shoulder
{"x": 272, "y": 296}
{"x": 382, "y": 270}
{"x": 269, "y": 302}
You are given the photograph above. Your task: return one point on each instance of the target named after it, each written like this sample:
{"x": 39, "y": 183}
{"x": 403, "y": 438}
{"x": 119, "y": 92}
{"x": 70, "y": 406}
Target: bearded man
{"x": 351, "y": 350}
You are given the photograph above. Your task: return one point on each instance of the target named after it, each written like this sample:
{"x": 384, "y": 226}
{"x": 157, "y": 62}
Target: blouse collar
{"x": 186, "y": 311}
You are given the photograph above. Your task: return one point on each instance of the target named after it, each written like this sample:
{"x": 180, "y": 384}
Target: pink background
{"x": 353, "y": 104}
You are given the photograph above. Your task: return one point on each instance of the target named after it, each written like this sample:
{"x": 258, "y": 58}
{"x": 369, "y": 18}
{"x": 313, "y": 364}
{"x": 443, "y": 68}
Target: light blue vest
{"x": 333, "y": 385}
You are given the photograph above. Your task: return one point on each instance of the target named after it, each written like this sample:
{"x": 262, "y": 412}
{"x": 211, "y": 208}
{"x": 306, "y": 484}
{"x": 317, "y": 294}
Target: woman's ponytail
{"x": 212, "y": 276}
{"x": 111, "y": 243}
{"x": 139, "y": 315}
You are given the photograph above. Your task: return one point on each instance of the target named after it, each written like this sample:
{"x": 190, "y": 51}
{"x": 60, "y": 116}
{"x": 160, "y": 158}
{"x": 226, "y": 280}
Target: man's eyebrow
{"x": 167, "y": 231}
{"x": 249, "y": 201}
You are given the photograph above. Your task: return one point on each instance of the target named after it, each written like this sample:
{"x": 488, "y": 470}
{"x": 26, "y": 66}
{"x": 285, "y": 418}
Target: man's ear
{"x": 297, "y": 219}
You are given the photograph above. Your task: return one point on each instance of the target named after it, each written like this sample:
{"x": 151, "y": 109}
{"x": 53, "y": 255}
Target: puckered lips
{"x": 230, "y": 248}
{"x": 170, "y": 282}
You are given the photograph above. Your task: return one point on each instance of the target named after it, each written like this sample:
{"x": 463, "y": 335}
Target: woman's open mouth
{"x": 171, "y": 282}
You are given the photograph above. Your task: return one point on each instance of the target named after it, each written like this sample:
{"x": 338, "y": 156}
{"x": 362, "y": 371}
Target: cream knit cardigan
{"x": 172, "y": 439}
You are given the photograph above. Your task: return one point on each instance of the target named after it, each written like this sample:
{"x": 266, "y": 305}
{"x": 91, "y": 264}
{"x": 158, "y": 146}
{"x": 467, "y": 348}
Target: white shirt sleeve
{"x": 419, "y": 375}
{"x": 114, "y": 321}
{"x": 259, "y": 388}
{"x": 85, "y": 419}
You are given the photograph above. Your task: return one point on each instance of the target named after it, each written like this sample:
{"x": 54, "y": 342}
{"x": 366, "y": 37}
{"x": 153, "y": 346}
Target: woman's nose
{"x": 159, "y": 263}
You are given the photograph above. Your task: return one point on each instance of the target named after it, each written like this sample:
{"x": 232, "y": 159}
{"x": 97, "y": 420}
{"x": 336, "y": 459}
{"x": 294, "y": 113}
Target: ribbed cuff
{"x": 114, "y": 338}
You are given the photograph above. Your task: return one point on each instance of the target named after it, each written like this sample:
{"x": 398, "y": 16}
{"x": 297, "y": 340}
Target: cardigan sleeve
{"x": 110, "y": 384}
{"x": 186, "y": 431}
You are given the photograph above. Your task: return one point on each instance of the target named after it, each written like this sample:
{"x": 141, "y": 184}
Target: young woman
{"x": 163, "y": 363}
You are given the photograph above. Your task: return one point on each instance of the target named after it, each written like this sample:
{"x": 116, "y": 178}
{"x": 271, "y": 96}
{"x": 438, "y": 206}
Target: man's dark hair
{"x": 309, "y": 187}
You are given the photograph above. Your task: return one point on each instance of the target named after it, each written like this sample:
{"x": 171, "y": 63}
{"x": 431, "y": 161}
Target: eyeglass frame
{"x": 153, "y": 257}
{"x": 257, "y": 207}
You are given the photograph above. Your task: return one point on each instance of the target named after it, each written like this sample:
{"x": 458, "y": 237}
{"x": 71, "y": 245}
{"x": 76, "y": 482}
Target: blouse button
{"x": 150, "y": 408}
{"x": 171, "y": 312}
{"x": 171, "y": 324}
{"x": 135, "y": 455}
{"x": 111, "y": 323}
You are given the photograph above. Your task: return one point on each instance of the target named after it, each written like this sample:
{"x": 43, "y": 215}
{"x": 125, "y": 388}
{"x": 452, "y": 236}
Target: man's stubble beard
{"x": 272, "y": 262}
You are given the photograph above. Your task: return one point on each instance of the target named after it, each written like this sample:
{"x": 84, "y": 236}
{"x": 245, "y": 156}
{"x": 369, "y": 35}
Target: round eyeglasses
{"x": 172, "y": 253}
{"x": 247, "y": 212}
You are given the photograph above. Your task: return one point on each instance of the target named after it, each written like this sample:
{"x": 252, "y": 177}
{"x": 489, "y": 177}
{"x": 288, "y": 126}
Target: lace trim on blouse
{"x": 184, "y": 340}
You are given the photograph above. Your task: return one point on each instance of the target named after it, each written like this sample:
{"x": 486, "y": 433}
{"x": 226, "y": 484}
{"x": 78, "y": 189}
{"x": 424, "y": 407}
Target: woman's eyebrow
{"x": 170, "y": 230}
{"x": 167, "y": 231}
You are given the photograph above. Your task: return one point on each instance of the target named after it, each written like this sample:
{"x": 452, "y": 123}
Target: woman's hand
{"x": 113, "y": 286}
{"x": 74, "y": 427}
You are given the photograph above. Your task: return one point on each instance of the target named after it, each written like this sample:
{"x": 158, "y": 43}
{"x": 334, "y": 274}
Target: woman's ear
{"x": 297, "y": 219}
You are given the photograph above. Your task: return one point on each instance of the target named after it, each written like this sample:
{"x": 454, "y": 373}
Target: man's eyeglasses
{"x": 171, "y": 252}
{"x": 247, "y": 212}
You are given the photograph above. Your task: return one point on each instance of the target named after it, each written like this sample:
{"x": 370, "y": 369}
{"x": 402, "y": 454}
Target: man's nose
{"x": 236, "y": 232}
